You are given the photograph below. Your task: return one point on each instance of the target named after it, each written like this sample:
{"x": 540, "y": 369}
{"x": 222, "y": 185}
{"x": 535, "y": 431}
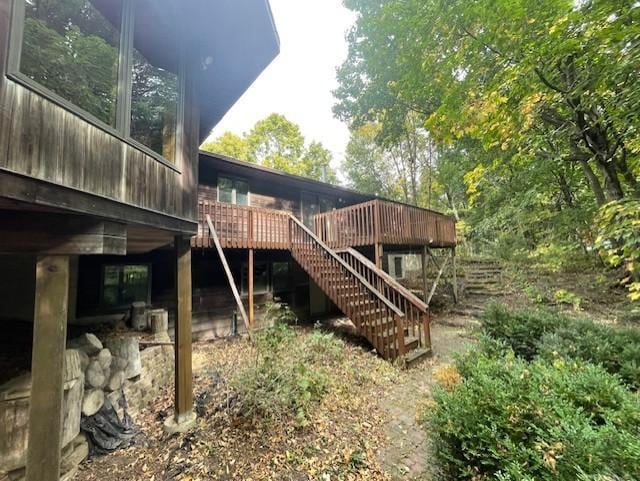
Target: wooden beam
{"x": 378, "y": 253}
{"x": 183, "y": 373}
{"x": 47, "y": 367}
{"x": 250, "y": 284}
{"x": 454, "y": 275}
{"x": 227, "y": 270}
{"x": 60, "y": 234}
{"x": 425, "y": 284}
{"x": 435, "y": 283}
{"x": 38, "y": 192}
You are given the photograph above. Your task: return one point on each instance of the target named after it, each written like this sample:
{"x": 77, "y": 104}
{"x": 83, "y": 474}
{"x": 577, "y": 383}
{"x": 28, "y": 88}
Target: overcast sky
{"x": 299, "y": 82}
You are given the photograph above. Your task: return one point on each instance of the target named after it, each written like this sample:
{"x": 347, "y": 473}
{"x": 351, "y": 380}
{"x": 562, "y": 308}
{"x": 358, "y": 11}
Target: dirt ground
{"x": 366, "y": 429}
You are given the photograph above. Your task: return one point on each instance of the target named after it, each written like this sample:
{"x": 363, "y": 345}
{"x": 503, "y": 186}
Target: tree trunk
{"x": 594, "y": 183}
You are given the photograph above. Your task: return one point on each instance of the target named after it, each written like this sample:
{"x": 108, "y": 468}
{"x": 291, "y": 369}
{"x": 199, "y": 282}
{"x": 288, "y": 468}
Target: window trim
{"x": 103, "y": 267}
{"x": 233, "y": 193}
{"x": 122, "y": 129}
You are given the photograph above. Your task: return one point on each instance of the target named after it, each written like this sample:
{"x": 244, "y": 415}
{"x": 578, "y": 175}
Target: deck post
{"x": 250, "y": 285}
{"x": 425, "y": 284}
{"x": 379, "y": 253}
{"x": 47, "y": 368}
{"x": 184, "y": 418}
{"x": 454, "y": 275}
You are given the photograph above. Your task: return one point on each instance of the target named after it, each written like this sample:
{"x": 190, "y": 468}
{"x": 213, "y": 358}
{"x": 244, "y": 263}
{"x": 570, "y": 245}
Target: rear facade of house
{"x": 103, "y": 104}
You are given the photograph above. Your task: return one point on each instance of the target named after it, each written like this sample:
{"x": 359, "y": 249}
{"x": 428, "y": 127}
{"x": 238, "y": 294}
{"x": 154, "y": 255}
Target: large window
{"x": 233, "y": 190}
{"x": 115, "y": 60}
{"x": 313, "y": 204}
{"x": 72, "y": 48}
{"x": 124, "y": 284}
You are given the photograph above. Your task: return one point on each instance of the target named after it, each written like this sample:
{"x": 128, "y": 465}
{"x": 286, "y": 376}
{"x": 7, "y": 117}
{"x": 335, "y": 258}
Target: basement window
{"x": 123, "y": 284}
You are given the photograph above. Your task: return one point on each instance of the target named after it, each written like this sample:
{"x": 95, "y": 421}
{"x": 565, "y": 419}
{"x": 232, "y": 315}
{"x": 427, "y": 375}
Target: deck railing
{"x": 242, "y": 227}
{"x": 383, "y": 222}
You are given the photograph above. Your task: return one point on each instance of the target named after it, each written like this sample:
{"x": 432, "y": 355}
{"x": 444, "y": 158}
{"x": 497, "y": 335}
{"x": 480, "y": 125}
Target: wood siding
{"x": 41, "y": 139}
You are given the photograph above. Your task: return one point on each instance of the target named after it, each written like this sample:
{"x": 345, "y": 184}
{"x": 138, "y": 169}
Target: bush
{"x": 520, "y": 330}
{"x": 289, "y": 376}
{"x": 616, "y": 350}
{"x": 514, "y": 420}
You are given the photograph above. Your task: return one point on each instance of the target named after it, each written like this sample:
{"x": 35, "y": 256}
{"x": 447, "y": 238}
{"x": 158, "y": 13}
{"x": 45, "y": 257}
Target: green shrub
{"x": 290, "y": 374}
{"x": 521, "y": 330}
{"x": 617, "y": 350}
{"x": 513, "y": 420}
{"x": 562, "y": 296}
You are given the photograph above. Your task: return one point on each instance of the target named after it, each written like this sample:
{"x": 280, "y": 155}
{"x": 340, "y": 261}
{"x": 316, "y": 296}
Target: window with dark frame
{"x": 123, "y": 284}
{"x": 76, "y": 53}
{"x": 397, "y": 267}
{"x": 233, "y": 190}
{"x": 261, "y": 279}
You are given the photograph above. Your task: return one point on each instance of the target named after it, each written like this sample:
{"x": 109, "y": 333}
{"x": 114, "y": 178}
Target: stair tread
{"x": 417, "y": 354}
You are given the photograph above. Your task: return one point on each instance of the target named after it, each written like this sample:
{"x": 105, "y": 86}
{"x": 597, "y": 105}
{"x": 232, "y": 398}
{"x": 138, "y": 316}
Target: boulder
{"x": 94, "y": 375}
{"x": 104, "y": 358}
{"x": 127, "y": 349}
{"x": 159, "y": 322}
{"x": 92, "y": 401}
{"x": 84, "y": 359}
{"x": 115, "y": 381}
{"x": 88, "y": 343}
{"x": 115, "y": 398}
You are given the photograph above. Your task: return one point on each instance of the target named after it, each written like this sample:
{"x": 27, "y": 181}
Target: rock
{"x": 128, "y": 350}
{"x": 92, "y": 401}
{"x": 72, "y": 365}
{"x": 88, "y": 343}
{"x": 94, "y": 375}
{"x": 115, "y": 381}
{"x": 139, "y": 316}
{"x": 114, "y": 399}
{"x": 84, "y": 360}
{"x": 72, "y": 408}
{"x": 104, "y": 358}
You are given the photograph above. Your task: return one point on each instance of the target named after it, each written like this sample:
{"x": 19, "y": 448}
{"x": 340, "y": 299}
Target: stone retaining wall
{"x": 93, "y": 371}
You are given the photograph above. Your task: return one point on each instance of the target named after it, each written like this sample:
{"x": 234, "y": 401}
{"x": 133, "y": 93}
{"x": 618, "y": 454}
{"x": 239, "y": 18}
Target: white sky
{"x": 299, "y": 82}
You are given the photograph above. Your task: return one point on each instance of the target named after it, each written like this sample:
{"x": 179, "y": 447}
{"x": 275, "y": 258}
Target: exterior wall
{"x": 40, "y": 139}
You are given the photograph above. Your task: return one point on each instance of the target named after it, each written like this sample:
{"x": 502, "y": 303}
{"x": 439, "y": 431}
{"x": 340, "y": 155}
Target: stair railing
{"x": 341, "y": 282}
{"x": 415, "y": 310}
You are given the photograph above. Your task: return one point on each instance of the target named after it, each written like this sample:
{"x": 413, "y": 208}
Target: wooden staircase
{"x": 393, "y": 320}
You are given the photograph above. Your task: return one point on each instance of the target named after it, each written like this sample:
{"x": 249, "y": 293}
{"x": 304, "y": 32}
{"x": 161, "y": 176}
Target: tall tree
{"x": 278, "y": 143}
{"x": 533, "y": 105}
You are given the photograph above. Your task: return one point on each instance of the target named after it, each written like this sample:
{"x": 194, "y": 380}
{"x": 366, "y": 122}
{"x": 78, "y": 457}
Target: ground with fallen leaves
{"x": 363, "y": 429}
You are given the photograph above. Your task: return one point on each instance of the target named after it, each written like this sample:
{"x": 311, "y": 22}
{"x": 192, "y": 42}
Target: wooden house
{"x": 316, "y": 246}
{"x": 103, "y": 104}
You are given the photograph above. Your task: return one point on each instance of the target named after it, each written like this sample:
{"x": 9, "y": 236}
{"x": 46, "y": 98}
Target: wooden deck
{"x": 383, "y": 222}
{"x": 369, "y": 223}
{"x": 242, "y": 227}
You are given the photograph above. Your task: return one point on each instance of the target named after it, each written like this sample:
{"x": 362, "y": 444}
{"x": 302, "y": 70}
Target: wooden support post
{"x": 379, "y": 252}
{"x": 454, "y": 275}
{"x": 184, "y": 418}
{"x": 250, "y": 285}
{"x": 47, "y": 368}
{"x": 425, "y": 284}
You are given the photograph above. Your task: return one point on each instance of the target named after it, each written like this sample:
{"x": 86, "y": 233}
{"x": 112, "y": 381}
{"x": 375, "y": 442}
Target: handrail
{"x": 411, "y": 297}
{"x": 227, "y": 271}
{"x": 346, "y": 266}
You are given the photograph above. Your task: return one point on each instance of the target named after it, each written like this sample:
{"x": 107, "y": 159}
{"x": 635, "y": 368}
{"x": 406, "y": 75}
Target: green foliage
{"x": 514, "y": 420}
{"x": 520, "y": 330}
{"x": 562, "y": 296}
{"x": 535, "y": 295}
{"x": 619, "y": 239}
{"x": 290, "y": 375}
{"x": 616, "y": 350}
{"x": 276, "y": 142}
{"x": 533, "y": 105}
{"x": 279, "y": 313}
